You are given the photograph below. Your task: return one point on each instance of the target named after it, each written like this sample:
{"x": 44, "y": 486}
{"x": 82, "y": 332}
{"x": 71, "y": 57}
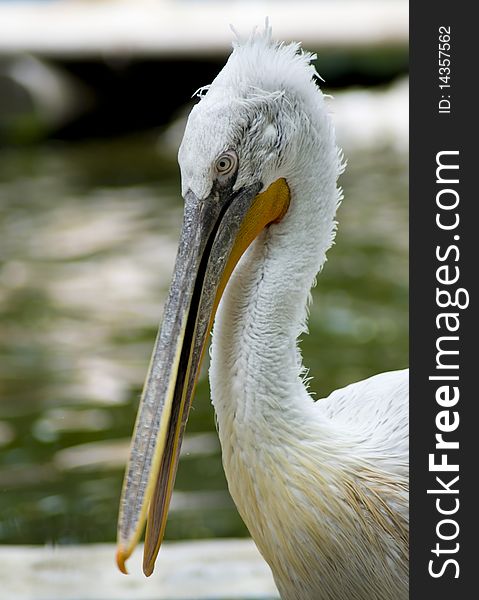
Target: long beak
{"x": 216, "y": 232}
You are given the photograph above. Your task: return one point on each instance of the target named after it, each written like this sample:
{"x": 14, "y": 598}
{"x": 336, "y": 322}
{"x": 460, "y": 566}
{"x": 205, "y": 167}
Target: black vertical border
{"x": 431, "y": 132}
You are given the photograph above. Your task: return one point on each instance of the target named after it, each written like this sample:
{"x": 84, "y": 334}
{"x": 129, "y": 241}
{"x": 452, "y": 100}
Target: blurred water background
{"x": 90, "y": 210}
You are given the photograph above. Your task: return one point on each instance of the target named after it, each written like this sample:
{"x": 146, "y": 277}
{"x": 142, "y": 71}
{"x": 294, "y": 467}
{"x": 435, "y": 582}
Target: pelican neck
{"x": 256, "y": 366}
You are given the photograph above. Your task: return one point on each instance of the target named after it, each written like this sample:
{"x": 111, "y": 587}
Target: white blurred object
{"x": 372, "y": 118}
{"x": 210, "y": 569}
{"x": 161, "y": 27}
{"x": 55, "y": 96}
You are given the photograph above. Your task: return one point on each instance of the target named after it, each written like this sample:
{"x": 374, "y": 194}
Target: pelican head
{"x": 256, "y": 129}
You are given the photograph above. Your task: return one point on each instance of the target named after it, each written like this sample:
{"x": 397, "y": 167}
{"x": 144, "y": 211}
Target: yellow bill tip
{"x": 121, "y": 557}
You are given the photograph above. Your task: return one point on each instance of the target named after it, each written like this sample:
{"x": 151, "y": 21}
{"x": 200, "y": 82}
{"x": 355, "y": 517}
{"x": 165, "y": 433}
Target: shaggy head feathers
{"x": 264, "y": 104}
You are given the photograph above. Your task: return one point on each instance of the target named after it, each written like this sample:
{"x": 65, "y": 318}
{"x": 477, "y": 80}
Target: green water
{"x": 87, "y": 243}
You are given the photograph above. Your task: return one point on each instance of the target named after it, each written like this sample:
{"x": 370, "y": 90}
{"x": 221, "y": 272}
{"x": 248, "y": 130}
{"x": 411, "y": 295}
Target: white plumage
{"x": 322, "y": 486}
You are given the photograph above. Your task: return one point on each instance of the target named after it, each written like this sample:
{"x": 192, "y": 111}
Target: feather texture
{"x": 322, "y": 486}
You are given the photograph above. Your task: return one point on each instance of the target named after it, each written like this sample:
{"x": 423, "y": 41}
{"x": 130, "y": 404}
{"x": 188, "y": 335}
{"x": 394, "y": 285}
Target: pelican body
{"x": 321, "y": 485}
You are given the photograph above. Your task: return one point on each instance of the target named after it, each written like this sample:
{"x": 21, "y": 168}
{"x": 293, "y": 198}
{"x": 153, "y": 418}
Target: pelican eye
{"x": 226, "y": 163}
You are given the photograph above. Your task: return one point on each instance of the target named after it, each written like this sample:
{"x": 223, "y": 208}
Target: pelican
{"x": 321, "y": 485}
